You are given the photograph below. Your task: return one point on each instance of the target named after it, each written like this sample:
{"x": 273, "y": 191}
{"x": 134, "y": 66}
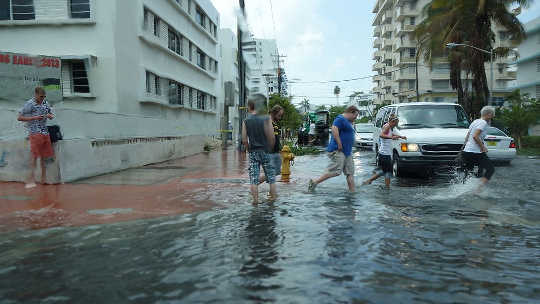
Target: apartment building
{"x": 262, "y": 56}
{"x": 139, "y": 80}
{"x": 528, "y": 65}
{"x": 396, "y": 59}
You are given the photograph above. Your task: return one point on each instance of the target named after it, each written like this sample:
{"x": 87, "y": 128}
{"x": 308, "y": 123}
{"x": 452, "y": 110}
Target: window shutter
{"x": 66, "y": 78}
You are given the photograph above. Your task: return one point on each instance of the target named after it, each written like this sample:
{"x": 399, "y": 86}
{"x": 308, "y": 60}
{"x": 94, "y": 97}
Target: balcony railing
{"x": 377, "y": 43}
{"x": 405, "y": 28}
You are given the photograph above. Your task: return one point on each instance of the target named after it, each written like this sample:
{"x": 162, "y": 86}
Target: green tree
{"x": 321, "y": 108}
{"x": 291, "y": 118}
{"x": 522, "y": 113}
{"x": 305, "y": 105}
{"x": 469, "y": 22}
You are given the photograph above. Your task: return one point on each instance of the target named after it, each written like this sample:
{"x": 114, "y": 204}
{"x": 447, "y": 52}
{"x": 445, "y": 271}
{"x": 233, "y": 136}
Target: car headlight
{"x": 405, "y": 147}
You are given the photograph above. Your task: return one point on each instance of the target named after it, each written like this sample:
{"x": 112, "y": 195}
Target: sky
{"x": 322, "y": 39}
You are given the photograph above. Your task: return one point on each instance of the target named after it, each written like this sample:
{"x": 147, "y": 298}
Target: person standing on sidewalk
{"x": 475, "y": 151}
{"x": 276, "y": 113}
{"x": 385, "y": 151}
{"x": 258, "y": 137}
{"x": 340, "y": 149}
{"x": 35, "y": 113}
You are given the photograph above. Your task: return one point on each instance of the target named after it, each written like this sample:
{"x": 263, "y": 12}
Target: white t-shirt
{"x": 471, "y": 145}
{"x": 312, "y": 129}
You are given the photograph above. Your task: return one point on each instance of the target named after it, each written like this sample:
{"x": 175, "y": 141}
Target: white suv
{"x": 435, "y": 133}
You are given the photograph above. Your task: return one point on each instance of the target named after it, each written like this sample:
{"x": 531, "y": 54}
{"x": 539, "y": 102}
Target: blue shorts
{"x": 256, "y": 160}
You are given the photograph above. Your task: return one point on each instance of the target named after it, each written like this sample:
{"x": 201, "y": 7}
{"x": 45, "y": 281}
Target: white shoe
{"x": 29, "y": 185}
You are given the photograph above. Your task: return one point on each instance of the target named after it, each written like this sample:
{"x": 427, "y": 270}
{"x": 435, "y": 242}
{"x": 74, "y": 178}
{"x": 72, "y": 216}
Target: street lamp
{"x": 490, "y": 52}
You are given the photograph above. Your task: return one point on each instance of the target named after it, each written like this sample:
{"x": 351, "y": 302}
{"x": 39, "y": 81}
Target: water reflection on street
{"x": 425, "y": 240}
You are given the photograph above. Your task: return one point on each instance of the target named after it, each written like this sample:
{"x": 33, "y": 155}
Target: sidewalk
{"x": 174, "y": 187}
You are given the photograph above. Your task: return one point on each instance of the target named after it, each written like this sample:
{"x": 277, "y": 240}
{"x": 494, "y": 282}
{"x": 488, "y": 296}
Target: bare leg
{"x": 350, "y": 182}
{"x": 262, "y": 179}
{"x": 255, "y": 193}
{"x": 387, "y": 182}
{"x": 325, "y": 177}
{"x": 43, "y": 170}
{"x": 32, "y": 169}
{"x": 371, "y": 179}
{"x": 273, "y": 192}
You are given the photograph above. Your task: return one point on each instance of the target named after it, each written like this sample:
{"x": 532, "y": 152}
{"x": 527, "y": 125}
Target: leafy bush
{"x": 531, "y": 141}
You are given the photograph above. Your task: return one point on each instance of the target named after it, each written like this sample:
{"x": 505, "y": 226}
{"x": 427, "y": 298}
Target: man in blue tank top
{"x": 258, "y": 137}
{"x": 340, "y": 149}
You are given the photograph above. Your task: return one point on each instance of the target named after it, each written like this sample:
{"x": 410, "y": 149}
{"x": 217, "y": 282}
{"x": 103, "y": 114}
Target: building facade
{"x": 139, "y": 80}
{"x": 230, "y": 90}
{"x": 262, "y": 56}
{"x": 396, "y": 59}
{"x": 528, "y": 65}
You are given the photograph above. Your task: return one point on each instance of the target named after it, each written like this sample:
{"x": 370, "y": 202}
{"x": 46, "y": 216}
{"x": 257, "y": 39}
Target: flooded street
{"x": 424, "y": 241}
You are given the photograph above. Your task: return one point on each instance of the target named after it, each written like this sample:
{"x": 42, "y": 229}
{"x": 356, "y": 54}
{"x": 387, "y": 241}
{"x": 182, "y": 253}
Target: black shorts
{"x": 385, "y": 163}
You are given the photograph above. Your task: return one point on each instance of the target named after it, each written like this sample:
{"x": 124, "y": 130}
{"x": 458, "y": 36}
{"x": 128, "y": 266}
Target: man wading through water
{"x": 340, "y": 149}
{"x": 275, "y": 158}
{"x": 258, "y": 138}
{"x": 385, "y": 151}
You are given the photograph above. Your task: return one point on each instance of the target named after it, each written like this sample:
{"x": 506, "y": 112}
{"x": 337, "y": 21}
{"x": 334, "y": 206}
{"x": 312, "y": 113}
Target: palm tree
{"x": 469, "y": 22}
{"x": 337, "y": 90}
{"x": 305, "y": 104}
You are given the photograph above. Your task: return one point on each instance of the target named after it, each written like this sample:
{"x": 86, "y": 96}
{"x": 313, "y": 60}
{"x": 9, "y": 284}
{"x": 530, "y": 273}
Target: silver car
{"x": 364, "y": 135}
{"x": 501, "y": 147}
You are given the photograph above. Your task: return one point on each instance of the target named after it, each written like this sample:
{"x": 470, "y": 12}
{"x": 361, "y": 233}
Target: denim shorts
{"x": 256, "y": 160}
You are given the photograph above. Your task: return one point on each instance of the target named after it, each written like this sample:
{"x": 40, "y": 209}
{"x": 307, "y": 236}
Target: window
{"x": 201, "y": 100}
{"x": 440, "y": 84}
{"x": 74, "y": 77}
{"x": 176, "y": 93}
{"x": 412, "y": 20}
{"x": 215, "y": 31}
{"x": 501, "y": 83}
{"x": 438, "y": 99}
{"x": 156, "y": 26}
{"x": 190, "y": 51}
{"x": 175, "y": 44}
{"x": 157, "y": 83}
{"x": 80, "y": 9}
{"x": 146, "y": 17}
{"x": 412, "y": 84}
{"x": 199, "y": 16}
{"x": 215, "y": 66}
{"x": 412, "y": 52}
{"x": 17, "y": 10}
{"x": 148, "y": 82}
{"x": 201, "y": 59}
{"x": 538, "y": 64}
{"x": 190, "y": 97}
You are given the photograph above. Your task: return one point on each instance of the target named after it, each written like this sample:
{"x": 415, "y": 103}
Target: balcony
{"x": 403, "y": 29}
{"x": 507, "y": 75}
{"x": 377, "y": 43}
{"x": 387, "y": 84}
{"x": 388, "y": 97}
{"x": 387, "y": 44}
{"x": 440, "y": 76}
{"x": 378, "y": 66}
{"x": 378, "y": 55}
{"x": 405, "y": 60}
{"x": 403, "y": 43}
{"x": 405, "y": 76}
{"x": 404, "y": 11}
{"x": 378, "y": 78}
{"x": 377, "y": 31}
{"x": 387, "y": 29}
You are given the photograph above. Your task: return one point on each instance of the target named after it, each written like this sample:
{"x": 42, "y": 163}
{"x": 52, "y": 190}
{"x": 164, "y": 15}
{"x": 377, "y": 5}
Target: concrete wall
{"x": 96, "y": 143}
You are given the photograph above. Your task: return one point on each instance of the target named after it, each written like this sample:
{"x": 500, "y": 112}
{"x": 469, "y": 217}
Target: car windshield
{"x": 494, "y": 131}
{"x": 432, "y": 116}
{"x": 364, "y": 129}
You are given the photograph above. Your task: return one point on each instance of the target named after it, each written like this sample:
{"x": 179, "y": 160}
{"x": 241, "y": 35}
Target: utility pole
{"x": 279, "y": 70}
{"x": 242, "y": 76}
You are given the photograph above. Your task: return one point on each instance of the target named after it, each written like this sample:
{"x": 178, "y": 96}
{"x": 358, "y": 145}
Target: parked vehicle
{"x": 364, "y": 135}
{"x": 435, "y": 133}
{"x": 501, "y": 147}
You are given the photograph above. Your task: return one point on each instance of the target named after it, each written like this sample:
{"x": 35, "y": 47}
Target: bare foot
{"x": 30, "y": 185}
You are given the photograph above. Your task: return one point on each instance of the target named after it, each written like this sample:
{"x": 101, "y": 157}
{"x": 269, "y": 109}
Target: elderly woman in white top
{"x": 475, "y": 151}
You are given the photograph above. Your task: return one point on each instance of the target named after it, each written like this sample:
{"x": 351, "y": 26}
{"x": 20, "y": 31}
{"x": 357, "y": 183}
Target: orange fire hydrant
{"x": 286, "y": 157}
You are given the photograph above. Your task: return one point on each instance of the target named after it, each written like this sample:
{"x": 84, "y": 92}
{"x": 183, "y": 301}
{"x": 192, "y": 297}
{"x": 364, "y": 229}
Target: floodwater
{"x": 424, "y": 241}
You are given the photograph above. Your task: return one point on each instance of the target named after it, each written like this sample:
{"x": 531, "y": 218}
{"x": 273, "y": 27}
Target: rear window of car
{"x": 495, "y": 132}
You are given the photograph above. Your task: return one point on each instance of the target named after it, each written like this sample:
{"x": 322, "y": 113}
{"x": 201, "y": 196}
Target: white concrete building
{"x": 528, "y": 65}
{"x": 230, "y": 90}
{"x": 395, "y": 58}
{"x": 139, "y": 80}
{"x": 262, "y": 56}
{"x": 364, "y": 102}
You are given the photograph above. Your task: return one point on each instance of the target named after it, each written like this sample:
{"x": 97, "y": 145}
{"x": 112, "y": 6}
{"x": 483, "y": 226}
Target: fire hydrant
{"x": 286, "y": 157}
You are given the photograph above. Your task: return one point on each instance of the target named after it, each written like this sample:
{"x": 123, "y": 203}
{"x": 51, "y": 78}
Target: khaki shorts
{"x": 340, "y": 163}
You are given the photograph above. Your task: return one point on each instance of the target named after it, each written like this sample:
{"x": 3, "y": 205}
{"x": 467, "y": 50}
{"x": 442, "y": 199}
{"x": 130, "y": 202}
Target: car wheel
{"x": 396, "y": 166}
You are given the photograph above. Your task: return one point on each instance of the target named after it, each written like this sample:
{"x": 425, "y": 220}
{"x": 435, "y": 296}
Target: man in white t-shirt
{"x": 311, "y": 133}
{"x": 475, "y": 151}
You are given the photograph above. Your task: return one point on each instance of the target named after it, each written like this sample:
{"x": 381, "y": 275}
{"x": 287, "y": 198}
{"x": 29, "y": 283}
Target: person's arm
{"x": 396, "y": 135}
{"x": 385, "y": 132}
{"x": 26, "y": 110}
{"x": 476, "y": 137}
{"x": 335, "y": 133}
{"x": 244, "y": 136}
{"x": 269, "y": 132}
